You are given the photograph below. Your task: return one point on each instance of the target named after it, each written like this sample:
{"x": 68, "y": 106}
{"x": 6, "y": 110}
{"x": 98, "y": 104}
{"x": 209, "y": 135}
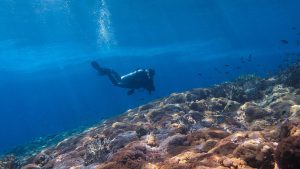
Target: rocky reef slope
{"x": 243, "y": 124}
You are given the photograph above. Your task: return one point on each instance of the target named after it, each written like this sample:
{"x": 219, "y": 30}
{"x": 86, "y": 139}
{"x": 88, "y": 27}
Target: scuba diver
{"x": 141, "y": 78}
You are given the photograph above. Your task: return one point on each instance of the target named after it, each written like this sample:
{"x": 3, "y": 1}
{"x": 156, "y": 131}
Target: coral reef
{"x": 247, "y": 123}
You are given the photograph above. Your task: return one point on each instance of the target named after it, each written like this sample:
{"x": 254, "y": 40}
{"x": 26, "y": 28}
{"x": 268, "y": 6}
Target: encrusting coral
{"x": 247, "y": 123}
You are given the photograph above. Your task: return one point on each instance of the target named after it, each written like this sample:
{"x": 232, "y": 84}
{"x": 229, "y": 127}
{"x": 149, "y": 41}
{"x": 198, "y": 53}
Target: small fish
{"x": 284, "y": 41}
{"x": 294, "y": 28}
{"x": 298, "y": 42}
{"x": 142, "y": 99}
{"x": 226, "y": 65}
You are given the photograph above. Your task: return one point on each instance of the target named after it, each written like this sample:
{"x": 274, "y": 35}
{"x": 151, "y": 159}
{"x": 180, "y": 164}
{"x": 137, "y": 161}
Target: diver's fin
{"x": 95, "y": 65}
{"x": 101, "y": 71}
{"x": 130, "y": 92}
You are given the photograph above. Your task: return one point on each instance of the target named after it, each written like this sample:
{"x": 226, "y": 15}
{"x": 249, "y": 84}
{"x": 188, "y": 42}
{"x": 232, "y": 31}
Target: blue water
{"x": 46, "y": 82}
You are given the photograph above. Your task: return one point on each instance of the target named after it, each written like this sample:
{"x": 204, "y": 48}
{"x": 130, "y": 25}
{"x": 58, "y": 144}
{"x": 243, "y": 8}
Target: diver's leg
{"x": 113, "y": 79}
{"x": 102, "y": 71}
{"x": 113, "y": 76}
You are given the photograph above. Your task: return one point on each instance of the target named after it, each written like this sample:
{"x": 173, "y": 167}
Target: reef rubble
{"x": 247, "y": 123}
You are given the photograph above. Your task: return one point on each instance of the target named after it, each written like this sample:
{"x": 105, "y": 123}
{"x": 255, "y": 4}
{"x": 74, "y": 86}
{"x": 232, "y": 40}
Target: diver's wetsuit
{"x": 141, "y": 78}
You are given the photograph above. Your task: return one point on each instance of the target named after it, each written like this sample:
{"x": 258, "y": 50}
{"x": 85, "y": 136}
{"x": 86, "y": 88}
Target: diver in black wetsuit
{"x": 141, "y": 78}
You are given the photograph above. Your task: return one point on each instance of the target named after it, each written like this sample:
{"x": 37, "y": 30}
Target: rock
{"x": 198, "y": 105}
{"x": 259, "y": 125}
{"x": 146, "y": 107}
{"x": 224, "y": 147}
{"x": 281, "y": 108}
{"x": 254, "y": 112}
{"x": 96, "y": 150}
{"x": 232, "y": 106}
{"x": 295, "y": 112}
{"x": 150, "y": 166}
{"x": 129, "y": 157}
{"x": 288, "y": 153}
{"x": 118, "y": 125}
{"x": 196, "y": 138}
{"x": 155, "y": 115}
{"x": 235, "y": 163}
{"x": 255, "y": 153}
{"x": 218, "y": 104}
{"x": 290, "y": 77}
{"x": 196, "y": 115}
{"x": 216, "y": 134}
{"x": 227, "y": 162}
{"x": 198, "y": 94}
{"x": 41, "y": 159}
{"x": 8, "y": 162}
{"x": 176, "y": 98}
{"x": 30, "y": 166}
{"x": 122, "y": 139}
{"x": 208, "y": 145}
{"x": 141, "y": 132}
{"x": 174, "y": 144}
{"x": 151, "y": 140}
{"x": 75, "y": 163}
{"x": 183, "y": 158}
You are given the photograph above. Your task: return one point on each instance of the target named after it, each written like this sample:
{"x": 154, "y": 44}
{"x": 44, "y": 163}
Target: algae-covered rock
{"x": 253, "y": 112}
{"x": 295, "y": 112}
{"x": 151, "y": 140}
{"x": 8, "y": 162}
{"x": 198, "y": 105}
{"x": 206, "y": 146}
{"x": 30, "y": 166}
{"x": 117, "y": 125}
{"x": 141, "y": 132}
{"x": 176, "y": 98}
{"x": 232, "y": 106}
{"x": 259, "y": 125}
{"x": 290, "y": 76}
{"x": 281, "y": 108}
{"x": 122, "y": 139}
{"x": 288, "y": 153}
{"x": 249, "y": 150}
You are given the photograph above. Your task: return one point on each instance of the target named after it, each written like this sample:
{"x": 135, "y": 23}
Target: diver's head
{"x": 151, "y": 72}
